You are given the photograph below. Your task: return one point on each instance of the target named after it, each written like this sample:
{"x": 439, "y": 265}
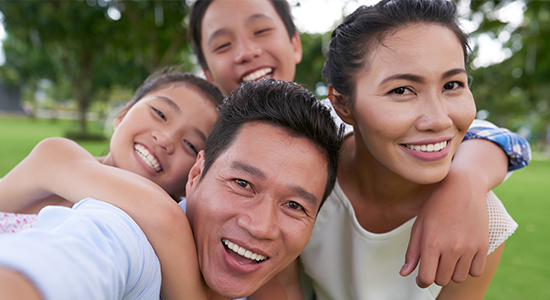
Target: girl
{"x": 397, "y": 74}
{"x": 156, "y": 137}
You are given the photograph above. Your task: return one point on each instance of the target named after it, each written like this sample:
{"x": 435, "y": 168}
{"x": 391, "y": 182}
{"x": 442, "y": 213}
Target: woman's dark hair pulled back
{"x": 354, "y": 39}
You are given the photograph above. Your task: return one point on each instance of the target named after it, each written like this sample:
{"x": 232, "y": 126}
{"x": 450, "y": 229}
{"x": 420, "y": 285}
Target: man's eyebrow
{"x": 248, "y": 169}
{"x": 302, "y": 193}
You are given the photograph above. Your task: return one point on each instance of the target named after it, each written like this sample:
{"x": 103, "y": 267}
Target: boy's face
{"x": 247, "y": 40}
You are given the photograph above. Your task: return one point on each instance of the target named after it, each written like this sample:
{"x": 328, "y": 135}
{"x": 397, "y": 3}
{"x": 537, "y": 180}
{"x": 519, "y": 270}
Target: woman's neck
{"x": 382, "y": 200}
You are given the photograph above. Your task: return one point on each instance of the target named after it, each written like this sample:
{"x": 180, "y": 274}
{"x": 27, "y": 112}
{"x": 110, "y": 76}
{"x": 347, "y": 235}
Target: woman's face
{"x": 413, "y": 105}
{"x": 160, "y": 135}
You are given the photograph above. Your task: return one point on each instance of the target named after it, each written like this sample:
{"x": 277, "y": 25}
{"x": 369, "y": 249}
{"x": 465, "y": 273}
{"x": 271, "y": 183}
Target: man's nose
{"x": 260, "y": 219}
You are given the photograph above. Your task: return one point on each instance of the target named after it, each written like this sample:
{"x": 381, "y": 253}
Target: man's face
{"x": 253, "y": 212}
{"x": 247, "y": 40}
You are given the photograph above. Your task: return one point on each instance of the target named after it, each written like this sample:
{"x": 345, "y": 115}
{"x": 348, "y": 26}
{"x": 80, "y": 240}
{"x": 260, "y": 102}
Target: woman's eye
{"x": 453, "y": 85}
{"x": 401, "y": 91}
{"x": 191, "y": 146}
{"x": 159, "y": 113}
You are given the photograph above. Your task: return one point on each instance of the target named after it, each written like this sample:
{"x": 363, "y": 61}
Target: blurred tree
{"x": 308, "y": 72}
{"x": 515, "y": 91}
{"x": 91, "y": 46}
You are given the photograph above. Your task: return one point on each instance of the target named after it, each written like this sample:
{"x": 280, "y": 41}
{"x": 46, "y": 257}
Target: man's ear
{"x": 341, "y": 105}
{"x": 208, "y": 75}
{"x": 297, "y": 45}
{"x": 195, "y": 173}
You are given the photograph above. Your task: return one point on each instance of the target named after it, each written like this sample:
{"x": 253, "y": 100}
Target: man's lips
{"x": 241, "y": 254}
{"x": 261, "y": 73}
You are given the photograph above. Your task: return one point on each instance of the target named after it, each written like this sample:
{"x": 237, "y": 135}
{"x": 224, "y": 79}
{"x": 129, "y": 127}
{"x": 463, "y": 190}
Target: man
{"x": 252, "y": 199}
{"x": 239, "y": 41}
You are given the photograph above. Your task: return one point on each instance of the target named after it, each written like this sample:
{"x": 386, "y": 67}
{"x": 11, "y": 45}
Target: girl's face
{"x": 160, "y": 135}
{"x": 413, "y": 105}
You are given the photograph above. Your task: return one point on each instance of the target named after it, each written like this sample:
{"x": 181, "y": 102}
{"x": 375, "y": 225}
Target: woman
{"x": 397, "y": 73}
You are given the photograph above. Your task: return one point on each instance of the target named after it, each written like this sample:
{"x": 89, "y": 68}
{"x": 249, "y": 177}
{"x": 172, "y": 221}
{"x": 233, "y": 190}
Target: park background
{"x": 65, "y": 66}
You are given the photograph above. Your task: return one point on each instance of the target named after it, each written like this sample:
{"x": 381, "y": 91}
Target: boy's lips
{"x": 148, "y": 157}
{"x": 258, "y": 74}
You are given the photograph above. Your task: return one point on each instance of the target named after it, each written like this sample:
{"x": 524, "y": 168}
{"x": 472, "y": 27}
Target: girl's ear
{"x": 341, "y": 105}
{"x": 121, "y": 115}
{"x": 195, "y": 173}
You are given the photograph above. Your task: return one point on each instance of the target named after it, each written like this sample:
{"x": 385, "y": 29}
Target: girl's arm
{"x": 448, "y": 225}
{"x": 61, "y": 167}
{"x": 473, "y": 287}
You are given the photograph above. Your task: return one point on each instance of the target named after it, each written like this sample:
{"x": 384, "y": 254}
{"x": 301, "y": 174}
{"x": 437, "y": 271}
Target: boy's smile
{"x": 247, "y": 40}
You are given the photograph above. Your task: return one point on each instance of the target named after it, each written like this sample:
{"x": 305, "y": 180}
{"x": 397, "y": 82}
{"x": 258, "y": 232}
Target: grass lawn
{"x": 524, "y": 269}
{"x": 18, "y": 136}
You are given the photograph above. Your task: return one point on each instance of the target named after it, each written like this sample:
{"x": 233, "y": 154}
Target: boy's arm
{"x": 61, "y": 167}
{"x": 447, "y": 232}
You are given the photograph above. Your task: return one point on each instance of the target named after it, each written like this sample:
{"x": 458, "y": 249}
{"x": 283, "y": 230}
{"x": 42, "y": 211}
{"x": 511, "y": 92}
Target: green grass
{"x": 19, "y": 135}
{"x": 524, "y": 269}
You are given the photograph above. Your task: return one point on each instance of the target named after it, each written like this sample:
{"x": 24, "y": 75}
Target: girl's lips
{"x": 147, "y": 157}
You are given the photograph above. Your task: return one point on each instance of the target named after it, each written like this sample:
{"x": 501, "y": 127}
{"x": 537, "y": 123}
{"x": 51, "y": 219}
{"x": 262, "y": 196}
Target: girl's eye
{"x": 401, "y": 91}
{"x": 159, "y": 113}
{"x": 191, "y": 146}
{"x": 453, "y": 85}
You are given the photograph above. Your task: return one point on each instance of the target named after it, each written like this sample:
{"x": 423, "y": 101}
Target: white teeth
{"x": 147, "y": 157}
{"x": 243, "y": 252}
{"x": 258, "y": 74}
{"x": 428, "y": 147}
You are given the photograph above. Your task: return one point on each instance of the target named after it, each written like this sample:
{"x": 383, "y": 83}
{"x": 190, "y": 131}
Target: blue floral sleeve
{"x": 516, "y": 147}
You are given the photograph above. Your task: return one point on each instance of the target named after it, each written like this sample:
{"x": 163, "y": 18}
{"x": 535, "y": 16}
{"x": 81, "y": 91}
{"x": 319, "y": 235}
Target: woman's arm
{"x": 446, "y": 234}
{"x": 473, "y": 287}
{"x": 61, "y": 167}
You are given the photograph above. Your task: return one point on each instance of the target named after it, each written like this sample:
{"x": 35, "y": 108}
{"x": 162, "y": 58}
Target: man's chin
{"x": 234, "y": 290}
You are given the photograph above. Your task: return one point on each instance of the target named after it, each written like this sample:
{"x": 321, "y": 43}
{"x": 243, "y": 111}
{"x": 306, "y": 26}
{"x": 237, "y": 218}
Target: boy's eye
{"x": 219, "y": 48}
{"x": 262, "y": 31}
{"x": 191, "y": 146}
{"x": 159, "y": 113}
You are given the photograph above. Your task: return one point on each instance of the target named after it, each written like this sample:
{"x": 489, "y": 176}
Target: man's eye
{"x": 295, "y": 206}
{"x": 242, "y": 183}
{"x": 159, "y": 113}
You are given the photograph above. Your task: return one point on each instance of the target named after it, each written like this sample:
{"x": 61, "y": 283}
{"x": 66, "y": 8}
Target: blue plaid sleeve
{"x": 516, "y": 147}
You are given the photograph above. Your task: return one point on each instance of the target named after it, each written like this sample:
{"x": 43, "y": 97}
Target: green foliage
{"x": 308, "y": 71}
{"x": 83, "y": 52}
{"x": 516, "y": 90}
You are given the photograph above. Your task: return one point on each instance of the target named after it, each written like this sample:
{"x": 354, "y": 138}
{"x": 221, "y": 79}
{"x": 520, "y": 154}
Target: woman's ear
{"x": 341, "y": 105}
